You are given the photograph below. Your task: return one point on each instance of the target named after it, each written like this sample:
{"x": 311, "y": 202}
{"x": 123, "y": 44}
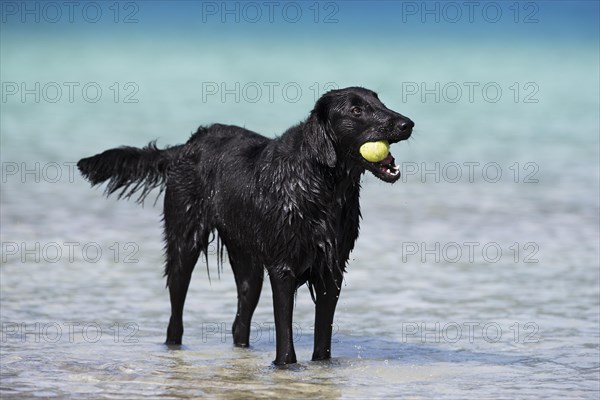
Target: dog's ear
{"x": 320, "y": 136}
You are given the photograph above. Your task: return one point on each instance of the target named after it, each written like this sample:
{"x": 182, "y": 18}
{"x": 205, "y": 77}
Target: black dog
{"x": 290, "y": 205}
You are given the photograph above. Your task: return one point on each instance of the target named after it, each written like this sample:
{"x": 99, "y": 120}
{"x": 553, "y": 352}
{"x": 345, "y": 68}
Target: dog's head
{"x": 345, "y": 119}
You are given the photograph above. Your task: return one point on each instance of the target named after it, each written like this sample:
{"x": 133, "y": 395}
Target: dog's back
{"x": 254, "y": 192}
{"x": 131, "y": 170}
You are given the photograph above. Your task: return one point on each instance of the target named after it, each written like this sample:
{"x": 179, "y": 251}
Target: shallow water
{"x": 482, "y": 285}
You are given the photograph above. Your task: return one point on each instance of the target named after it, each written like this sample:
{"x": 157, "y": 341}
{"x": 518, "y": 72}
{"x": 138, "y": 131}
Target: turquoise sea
{"x": 477, "y": 275}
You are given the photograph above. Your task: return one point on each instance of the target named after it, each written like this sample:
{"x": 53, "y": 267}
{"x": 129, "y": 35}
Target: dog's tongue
{"x": 389, "y": 160}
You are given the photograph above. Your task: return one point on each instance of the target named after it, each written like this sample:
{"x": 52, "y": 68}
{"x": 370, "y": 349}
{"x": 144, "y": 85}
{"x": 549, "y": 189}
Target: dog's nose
{"x": 406, "y": 126}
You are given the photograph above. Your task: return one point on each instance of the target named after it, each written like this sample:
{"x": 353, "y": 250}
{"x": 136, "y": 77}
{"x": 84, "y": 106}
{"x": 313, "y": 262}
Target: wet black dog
{"x": 290, "y": 205}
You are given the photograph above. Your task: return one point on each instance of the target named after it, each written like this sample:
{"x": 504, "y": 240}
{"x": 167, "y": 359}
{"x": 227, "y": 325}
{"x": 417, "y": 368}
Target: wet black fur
{"x": 289, "y": 205}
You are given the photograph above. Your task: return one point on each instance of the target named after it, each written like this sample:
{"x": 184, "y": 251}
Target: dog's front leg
{"x": 327, "y": 293}
{"x": 283, "y": 285}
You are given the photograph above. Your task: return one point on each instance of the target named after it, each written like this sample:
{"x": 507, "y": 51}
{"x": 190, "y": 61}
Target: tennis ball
{"x": 375, "y": 151}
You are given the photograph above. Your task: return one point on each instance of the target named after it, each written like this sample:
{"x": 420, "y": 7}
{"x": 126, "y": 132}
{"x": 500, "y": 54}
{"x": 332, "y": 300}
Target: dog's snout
{"x": 405, "y": 125}
{"x": 403, "y": 128}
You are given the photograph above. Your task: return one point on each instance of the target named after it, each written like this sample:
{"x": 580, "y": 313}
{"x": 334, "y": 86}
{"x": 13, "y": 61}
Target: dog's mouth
{"x": 375, "y": 153}
{"x": 377, "y": 158}
{"x": 386, "y": 169}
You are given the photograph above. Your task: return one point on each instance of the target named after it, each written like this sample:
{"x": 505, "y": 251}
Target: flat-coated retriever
{"x": 289, "y": 204}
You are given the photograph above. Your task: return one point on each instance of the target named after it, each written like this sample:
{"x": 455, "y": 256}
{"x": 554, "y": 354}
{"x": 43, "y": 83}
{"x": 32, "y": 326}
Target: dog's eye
{"x": 356, "y": 110}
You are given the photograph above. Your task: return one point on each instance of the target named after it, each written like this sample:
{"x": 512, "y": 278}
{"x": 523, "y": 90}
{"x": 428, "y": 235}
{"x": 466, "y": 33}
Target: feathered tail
{"x": 129, "y": 169}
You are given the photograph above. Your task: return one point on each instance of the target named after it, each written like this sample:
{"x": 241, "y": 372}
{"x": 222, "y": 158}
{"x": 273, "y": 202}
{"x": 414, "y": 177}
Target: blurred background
{"x": 477, "y": 274}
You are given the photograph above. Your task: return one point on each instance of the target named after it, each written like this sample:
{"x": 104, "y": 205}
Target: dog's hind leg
{"x": 183, "y": 246}
{"x": 178, "y": 283}
{"x": 249, "y": 281}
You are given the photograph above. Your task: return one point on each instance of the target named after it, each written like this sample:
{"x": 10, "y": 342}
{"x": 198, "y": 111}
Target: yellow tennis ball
{"x": 375, "y": 151}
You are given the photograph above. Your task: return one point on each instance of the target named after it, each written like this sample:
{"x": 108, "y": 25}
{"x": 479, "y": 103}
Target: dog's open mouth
{"x": 386, "y": 169}
{"x": 377, "y": 158}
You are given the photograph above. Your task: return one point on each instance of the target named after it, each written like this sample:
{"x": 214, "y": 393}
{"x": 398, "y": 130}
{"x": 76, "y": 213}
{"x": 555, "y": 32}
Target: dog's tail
{"x": 130, "y": 169}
